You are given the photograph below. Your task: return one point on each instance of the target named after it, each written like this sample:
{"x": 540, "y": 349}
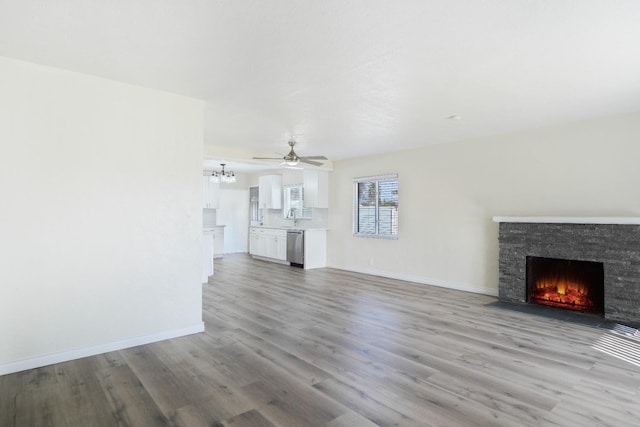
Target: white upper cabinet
{"x": 270, "y": 192}
{"x": 316, "y": 189}
{"x": 210, "y": 193}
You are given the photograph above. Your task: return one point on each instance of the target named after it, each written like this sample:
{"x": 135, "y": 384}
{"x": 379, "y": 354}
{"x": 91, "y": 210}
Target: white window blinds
{"x": 376, "y": 206}
{"x": 294, "y": 199}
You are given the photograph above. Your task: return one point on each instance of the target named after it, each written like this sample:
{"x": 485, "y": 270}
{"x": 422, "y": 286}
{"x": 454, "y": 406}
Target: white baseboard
{"x": 422, "y": 280}
{"x": 65, "y": 356}
{"x": 263, "y": 258}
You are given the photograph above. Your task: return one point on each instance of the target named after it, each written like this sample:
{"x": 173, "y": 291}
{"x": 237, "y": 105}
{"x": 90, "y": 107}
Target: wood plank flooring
{"x": 292, "y": 348}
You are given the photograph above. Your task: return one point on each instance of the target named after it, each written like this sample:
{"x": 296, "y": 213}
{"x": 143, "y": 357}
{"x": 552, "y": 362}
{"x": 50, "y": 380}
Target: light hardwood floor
{"x": 289, "y": 347}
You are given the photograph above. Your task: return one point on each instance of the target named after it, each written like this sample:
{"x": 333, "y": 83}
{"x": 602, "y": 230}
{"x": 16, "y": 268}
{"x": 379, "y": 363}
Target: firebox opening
{"x": 570, "y": 284}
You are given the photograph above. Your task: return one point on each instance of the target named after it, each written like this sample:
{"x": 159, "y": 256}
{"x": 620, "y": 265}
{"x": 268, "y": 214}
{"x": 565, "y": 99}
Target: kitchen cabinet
{"x": 210, "y": 193}
{"x": 281, "y": 246}
{"x": 218, "y": 241}
{"x": 268, "y": 243}
{"x": 270, "y": 191}
{"x": 315, "y": 248}
{"x": 271, "y": 244}
{"x": 254, "y": 241}
{"x": 316, "y": 189}
{"x": 217, "y": 236}
{"x": 263, "y": 244}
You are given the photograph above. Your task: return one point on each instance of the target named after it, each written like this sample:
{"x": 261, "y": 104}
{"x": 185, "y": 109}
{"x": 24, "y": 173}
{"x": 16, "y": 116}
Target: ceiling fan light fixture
{"x": 292, "y": 159}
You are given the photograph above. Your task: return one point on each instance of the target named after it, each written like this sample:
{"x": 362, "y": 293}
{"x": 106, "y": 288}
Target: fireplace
{"x": 613, "y": 242}
{"x": 568, "y": 284}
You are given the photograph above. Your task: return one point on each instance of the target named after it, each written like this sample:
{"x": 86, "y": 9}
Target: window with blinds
{"x": 376, "y": 206}
{"x": 294, "y": 199}
{"x": 254, "y": 207}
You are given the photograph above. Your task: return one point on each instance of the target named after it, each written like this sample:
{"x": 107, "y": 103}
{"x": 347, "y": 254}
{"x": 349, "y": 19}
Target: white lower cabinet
{"x": 268, "y": 243}
{"x": 315, "y": 248}
{"x": 271, "y": 244}
{"x": 254, "y": 241}
{"x": 264, "y": 245}
{"x": 218, "y": 242}
{"x": 207, "y": 255}
{"x": 218, "y": 239}
{"x": 281, "y": 246}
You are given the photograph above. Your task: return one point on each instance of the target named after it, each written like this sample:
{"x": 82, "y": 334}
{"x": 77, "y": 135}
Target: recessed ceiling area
{"x": 349, "y": 79}
{"x": 238, "y": 167}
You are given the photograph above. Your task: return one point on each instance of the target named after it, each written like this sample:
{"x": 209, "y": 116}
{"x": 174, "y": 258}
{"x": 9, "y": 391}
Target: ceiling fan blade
{"x": 311, "y": 162}
{"x": 267, "y": 158}
{"x": 315, "y": 157}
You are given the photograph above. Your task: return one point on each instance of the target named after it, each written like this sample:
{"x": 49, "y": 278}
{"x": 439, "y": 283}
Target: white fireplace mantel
{"x": 569, "y": 219}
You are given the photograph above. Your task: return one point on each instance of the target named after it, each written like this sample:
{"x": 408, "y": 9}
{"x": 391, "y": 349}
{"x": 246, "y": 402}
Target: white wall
{"x": 101, "y": 218}
{"x": 449, "y": 193}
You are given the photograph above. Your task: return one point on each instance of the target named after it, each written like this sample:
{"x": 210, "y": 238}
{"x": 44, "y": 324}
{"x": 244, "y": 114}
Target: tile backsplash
{"x": 275, "y": 218}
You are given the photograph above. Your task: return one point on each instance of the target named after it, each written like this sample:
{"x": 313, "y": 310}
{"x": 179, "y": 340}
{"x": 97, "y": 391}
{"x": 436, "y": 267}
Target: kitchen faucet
{"x": 292, "y": 213}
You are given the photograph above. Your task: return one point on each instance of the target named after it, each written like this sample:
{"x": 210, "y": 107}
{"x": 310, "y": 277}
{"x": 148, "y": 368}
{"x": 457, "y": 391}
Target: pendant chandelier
{"x": 226, "y": 177}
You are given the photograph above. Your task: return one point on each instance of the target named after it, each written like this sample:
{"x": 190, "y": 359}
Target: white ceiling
{"x": 249, "y": 167}
{"x": 349, "y": 78}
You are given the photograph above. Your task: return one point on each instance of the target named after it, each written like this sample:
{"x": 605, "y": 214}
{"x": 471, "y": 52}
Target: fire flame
{"x": 562, "y": 291}
{"x": 562, "y": 285}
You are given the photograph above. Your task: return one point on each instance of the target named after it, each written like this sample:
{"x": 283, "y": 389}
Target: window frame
{"x": 377, "y": 179}
{"x": 255, "y": 212}
{"x": 304, "y": 212}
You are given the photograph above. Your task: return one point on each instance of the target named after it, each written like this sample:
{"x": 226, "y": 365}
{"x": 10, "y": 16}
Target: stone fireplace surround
{"x": 615, "y": 242}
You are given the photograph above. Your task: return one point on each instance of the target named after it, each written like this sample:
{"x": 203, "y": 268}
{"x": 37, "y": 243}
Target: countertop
{"x": 214, "y": 228}
{"x": 289, "y": 227}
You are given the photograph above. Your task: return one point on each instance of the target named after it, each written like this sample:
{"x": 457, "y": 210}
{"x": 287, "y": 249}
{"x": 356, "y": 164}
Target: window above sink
{"x": 294, "y": 199}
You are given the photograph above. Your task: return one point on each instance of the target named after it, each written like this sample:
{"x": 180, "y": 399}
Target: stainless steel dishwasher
{"x": 295, "y": 247}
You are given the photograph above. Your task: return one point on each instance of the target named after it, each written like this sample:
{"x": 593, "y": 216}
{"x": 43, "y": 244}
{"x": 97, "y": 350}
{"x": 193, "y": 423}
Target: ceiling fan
{"x": 292, "y": 159}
